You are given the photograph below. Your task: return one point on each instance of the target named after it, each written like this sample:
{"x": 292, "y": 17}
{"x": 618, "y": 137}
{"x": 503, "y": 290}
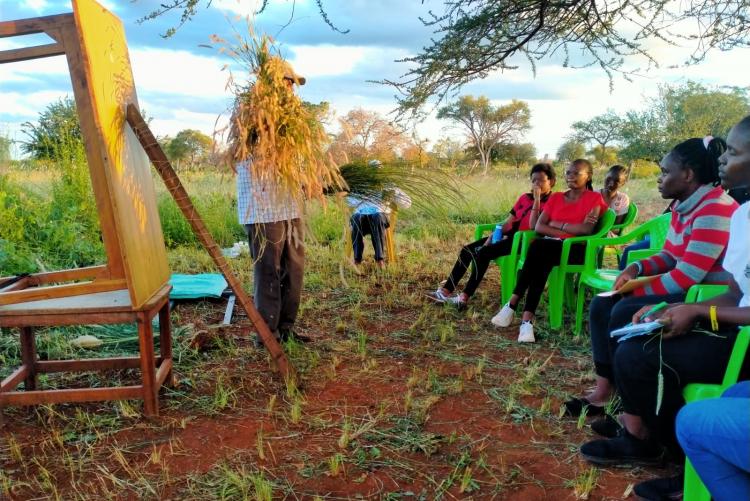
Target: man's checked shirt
{"x": 261, "y": 202}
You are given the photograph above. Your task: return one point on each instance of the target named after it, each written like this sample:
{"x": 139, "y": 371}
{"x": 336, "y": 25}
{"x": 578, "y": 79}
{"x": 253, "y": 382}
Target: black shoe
{"x": 607, "y": 426}
{"x": 623, "y": 450}
{"x": 574, "y": 408}
{"x": 287, "y": 334}
{"x": 660, "y": 489}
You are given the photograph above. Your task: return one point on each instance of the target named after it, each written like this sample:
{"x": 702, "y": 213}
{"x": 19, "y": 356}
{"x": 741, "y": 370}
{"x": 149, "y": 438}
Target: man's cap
{"x": 290, "y": 74}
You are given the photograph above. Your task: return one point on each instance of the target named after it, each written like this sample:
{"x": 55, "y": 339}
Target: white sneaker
{"x": 504, "y": 317}
{"x": 526, "y": 332}
{"x": 439, "y": 297}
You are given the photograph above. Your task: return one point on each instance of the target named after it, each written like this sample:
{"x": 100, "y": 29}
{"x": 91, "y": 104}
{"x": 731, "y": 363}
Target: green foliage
{"x": 57, "y": 135}
{"x": 216, "y": 209}
{"x": 643, "y": 169}
{"x": 4, "y": 149}
{"x": 571, "y": 150}
{"x": 516, "y": 154}
{"x": 600, "y": 130}
{"x": 604, "y": 155}
{"x": 189, "y": 146}
{"x": 678, "y": 113}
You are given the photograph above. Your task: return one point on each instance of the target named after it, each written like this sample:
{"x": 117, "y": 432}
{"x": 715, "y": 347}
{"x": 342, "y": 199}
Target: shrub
{"x": 640, "y": 169}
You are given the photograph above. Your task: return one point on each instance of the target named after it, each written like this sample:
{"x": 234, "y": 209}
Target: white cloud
{"x": 328, "y": 60}
{"x": 178, "y": 72}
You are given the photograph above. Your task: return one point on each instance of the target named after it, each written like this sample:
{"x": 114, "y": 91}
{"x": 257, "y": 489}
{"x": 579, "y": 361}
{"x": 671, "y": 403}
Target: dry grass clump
{"x": 271, "y": 126}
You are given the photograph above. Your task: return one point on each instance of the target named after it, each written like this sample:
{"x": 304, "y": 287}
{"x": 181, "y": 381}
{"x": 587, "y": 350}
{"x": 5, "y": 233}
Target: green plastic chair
{"x": 693, "y": 488}
{"x": 597, "y": 279}
{"x": 509, "y": 265}
{"x": 629, "y": 219}
{"x": 562, "y": 280}
{"x": 617, "y": 229}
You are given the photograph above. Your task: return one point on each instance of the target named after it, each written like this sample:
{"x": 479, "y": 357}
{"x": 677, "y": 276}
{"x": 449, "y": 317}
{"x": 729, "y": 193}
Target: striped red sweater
{"x": 695, "y": 246}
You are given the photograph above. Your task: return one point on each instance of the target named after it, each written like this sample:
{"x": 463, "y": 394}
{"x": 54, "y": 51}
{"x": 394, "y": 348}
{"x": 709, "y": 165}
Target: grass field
{"x": 398, "y": 398}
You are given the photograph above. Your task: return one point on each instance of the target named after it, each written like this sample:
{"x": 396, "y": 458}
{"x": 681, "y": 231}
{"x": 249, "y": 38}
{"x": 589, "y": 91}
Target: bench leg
{"x": 165, "y": 338}
{"x": 148, "y": 369}
{"x": 28, "y": 356}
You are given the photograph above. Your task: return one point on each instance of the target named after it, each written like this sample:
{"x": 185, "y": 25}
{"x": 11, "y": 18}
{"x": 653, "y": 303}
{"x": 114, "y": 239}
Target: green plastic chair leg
{"x": 693, "y": 488}
{"x": 507, "y": 278}
{"x": 555, "y": 293}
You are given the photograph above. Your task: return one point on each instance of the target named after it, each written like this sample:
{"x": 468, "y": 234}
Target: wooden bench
{"x": 113, "y": 307}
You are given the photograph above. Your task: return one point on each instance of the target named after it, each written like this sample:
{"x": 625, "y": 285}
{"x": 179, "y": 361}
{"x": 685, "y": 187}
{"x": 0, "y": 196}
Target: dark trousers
{"x": 368, "y": 224}
{"x": 480, "y": 256}
{"x": 609, "y": 313}
{"x": 692, "y": 358}
{"x": 543, "y": 255}
{"x": 278, "y": 254}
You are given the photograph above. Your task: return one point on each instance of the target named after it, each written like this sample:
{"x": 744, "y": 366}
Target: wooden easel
{"x": 132, "y": 285}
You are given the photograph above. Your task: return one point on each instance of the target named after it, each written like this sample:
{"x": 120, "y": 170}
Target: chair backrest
{"x": 605, "y": 224}
{"x": 629, "y": 218}
{"x": 659, "y": 228}
{"x": 702, "y": 292}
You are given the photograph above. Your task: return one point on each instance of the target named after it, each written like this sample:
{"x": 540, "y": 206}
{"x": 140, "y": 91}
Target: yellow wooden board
{"x": 127, "y": 172}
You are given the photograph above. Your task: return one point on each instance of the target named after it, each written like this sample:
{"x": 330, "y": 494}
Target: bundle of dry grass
{"x": 271, "y": 127}
{"x": 433, "y": 191}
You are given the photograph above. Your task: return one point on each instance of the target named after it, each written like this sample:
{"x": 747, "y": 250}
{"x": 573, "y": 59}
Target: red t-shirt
{"x": 562, "y": 211}
{"x": 520, "y": 214}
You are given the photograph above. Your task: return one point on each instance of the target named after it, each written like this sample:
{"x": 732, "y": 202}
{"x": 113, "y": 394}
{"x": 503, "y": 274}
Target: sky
{"x": 181, "y": 83}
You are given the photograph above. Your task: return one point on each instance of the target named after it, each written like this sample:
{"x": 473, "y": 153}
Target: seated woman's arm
{"x": 708, "y": 240}
{"x": 682, "y": 317}
{"x": 557, "y": 229}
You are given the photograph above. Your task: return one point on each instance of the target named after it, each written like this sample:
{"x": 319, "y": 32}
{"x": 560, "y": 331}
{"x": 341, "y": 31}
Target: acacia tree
{"x": 571, "y": 150}
{"x": 487, "y": 126}
{"x": 189, "y": 146}
{"x": 474, "y": 37}
{"x": 366, "y": 134}
{"x": 602, "y": 130}
{"x": 517, "y": 154}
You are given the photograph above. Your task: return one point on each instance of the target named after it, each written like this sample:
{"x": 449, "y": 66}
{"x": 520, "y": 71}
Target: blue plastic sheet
{"x": 197, "y": 286}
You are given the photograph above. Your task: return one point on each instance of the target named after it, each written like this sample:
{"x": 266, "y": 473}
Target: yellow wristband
{"x": 714, "y": 320}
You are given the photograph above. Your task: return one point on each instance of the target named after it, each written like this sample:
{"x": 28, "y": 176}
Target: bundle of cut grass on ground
{"x": 271, "y": 126}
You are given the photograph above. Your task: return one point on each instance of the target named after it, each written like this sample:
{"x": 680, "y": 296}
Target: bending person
{"x": 523, "y": 216}
{"x": 567, "y": 214}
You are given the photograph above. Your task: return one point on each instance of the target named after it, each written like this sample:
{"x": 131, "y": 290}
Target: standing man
{"x": 272, "y": 221}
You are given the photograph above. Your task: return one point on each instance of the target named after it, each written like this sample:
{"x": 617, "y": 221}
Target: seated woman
{"x": 617, "y": 200}
{"x": 523, "y": 216}
{"x": 567, "y": 214}
{"x": 652, "y": 370}
{"x": 692, "y": 254}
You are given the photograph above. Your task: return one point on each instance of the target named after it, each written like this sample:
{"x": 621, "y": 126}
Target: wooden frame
{"x": 99, "y": 308}
{"x": 93, "y": 42}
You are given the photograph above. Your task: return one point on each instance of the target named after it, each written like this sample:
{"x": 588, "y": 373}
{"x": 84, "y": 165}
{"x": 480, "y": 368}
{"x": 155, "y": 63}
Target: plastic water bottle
{"x": 497, "y": 235}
